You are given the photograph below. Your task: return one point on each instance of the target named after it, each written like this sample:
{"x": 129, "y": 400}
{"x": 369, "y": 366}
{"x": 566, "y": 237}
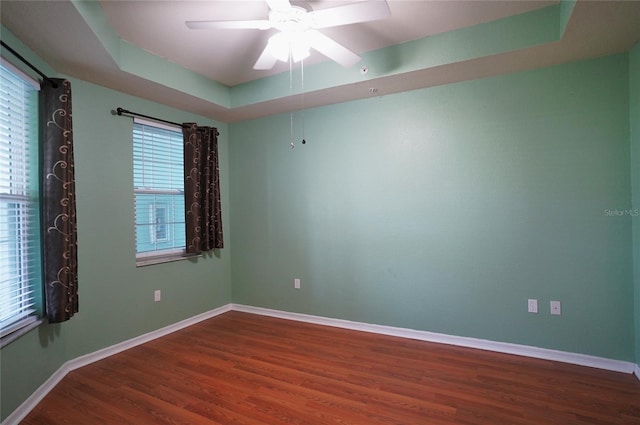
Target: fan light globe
{"x": 286, "y": 43}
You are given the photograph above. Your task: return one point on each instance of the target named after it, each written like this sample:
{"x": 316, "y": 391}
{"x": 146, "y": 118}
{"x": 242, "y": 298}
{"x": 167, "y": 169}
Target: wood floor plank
{"x": 243, "y": 369}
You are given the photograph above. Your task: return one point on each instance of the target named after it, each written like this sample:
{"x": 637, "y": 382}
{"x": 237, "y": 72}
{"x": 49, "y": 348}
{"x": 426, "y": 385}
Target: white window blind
{"x": 158, "y": 180}
{"x": 20, "y": 286}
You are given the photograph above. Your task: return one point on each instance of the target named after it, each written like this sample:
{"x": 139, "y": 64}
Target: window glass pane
{"x": 20, "y": 289}
{"x": 158, "y": 180}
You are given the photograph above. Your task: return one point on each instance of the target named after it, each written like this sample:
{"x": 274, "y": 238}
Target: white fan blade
{"x": 267, "y": 59}
{"x": 279, "y": 4}
{"x": 331, "y": 49}
{"x": 205, "y": 25}
{"x": 366, "y": 11}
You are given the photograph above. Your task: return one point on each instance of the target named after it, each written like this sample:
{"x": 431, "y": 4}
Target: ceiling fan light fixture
{"x": 278, "y": 45}
{"x": 286, "y": 43}
{"x": 299, "y": 48}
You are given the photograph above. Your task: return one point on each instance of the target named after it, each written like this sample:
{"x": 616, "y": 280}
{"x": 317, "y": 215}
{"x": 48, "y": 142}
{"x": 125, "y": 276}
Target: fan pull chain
{"x": 302, "y": 84}
{"x": 291, "y": 99}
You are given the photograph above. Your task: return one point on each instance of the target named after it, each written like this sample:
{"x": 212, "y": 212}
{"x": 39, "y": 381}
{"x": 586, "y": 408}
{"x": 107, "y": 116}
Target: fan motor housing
{"x": 293, "y": 19}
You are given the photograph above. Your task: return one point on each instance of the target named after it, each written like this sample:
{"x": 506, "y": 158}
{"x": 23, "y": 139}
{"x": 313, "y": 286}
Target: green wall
{"x": 445, "y": 209}
{"x": 116, "y": 298}
{"x": 634, "y": 114}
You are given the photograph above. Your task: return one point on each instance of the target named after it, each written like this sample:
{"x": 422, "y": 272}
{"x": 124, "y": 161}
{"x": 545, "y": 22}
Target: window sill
{"x": 8, "y": 339}
{"x": 159, "y": 259}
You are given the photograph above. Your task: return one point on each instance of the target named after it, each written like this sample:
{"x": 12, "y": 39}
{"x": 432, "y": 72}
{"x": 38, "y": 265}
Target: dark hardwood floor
{"x": 239, "y": 368}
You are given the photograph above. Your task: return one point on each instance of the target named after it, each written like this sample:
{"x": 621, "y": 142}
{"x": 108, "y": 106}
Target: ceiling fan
{"x": 298, "y": 28}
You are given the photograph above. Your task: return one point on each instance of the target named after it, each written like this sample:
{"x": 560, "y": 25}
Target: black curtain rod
{"x": 121, "y": 111}
{"x": 29, "y": 64}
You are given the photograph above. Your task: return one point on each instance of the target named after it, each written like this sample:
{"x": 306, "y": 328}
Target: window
{"x": 158, "y": 183}
{"x": 20, "y": 270}
{"x": 158, "y": 214}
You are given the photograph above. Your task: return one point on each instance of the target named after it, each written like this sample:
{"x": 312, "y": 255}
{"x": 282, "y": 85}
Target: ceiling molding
{"x": 551, "y": 35}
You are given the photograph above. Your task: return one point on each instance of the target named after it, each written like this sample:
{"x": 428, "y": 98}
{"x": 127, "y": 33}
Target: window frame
{"x": 156, "y": 256}
{"x": 28, "y": 241}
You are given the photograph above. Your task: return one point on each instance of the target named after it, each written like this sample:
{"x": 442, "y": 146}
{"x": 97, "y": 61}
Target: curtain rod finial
{"x": 119, "y": 111}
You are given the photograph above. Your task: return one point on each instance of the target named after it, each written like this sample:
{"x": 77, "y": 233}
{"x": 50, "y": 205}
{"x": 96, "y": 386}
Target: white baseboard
{"x": 482, "y": 344}
{"x": 23, "y": 410}
{"x": 502, "y": 347}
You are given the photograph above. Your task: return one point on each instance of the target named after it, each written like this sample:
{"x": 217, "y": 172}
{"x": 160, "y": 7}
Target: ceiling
{"x": 229, "y": 55}
{"x": 144, "y": 48}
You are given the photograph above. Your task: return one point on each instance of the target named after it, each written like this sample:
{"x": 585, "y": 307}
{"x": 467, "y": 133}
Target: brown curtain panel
{"x": 203, "y": 219}
{"x": 58, "y": 201}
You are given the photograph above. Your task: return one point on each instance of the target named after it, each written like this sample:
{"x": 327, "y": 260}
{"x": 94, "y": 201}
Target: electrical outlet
{"x": 532, "y": 306}
{"x": 296, "y": 283}
{"x": 556, "y": 309}
{"x": 157, "y": 295}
